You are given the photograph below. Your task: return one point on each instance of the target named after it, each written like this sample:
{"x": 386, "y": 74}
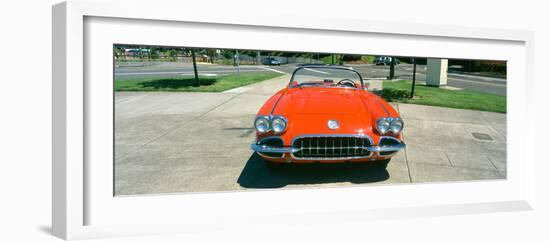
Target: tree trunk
{"x": 392, "y": 68}
{"x": 197, "y": 81}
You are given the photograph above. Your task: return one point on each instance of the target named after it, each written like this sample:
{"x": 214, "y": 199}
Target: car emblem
{"x": 333, "y": 124}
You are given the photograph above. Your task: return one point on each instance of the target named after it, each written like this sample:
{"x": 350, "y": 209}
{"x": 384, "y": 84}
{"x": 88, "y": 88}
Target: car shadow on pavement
{"x": 257, "y": 173}
{"x": 176, "y": 83}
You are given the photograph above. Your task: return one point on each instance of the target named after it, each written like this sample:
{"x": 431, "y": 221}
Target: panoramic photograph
{"x": 191, "y": 119}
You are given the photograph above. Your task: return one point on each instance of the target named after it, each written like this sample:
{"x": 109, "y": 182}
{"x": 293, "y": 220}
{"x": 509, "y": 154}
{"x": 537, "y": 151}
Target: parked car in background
{"x": 272, "y": 61}
{"x": 384, "y": 60}
{"x": 326, "y": 115}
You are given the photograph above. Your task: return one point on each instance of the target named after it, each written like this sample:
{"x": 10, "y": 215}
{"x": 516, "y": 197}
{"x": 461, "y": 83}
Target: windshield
{"x": 326, "y": 77}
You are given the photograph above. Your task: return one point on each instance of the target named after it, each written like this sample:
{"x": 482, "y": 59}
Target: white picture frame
{"x": 82, "y": 207}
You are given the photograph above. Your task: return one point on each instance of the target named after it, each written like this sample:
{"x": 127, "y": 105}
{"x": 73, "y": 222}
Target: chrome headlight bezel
{"x": 396, "y": 125}
{"x": 262, "y": 119}
{"x": 389, "y": 124}
{"x": 277, "y": 120}
{"x": 382, "y": 125}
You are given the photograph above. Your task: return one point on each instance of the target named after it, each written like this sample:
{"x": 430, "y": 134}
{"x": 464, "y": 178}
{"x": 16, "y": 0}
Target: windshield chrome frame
{"x": 327, "y": 67}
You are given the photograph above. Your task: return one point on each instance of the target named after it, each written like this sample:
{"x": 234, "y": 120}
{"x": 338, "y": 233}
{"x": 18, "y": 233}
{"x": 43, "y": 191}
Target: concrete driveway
{"x": 193, "y": 142}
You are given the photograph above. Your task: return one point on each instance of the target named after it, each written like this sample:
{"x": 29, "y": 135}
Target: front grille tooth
{"x": 317, "y": 146}
{"x": 341, "y": 147}
{"x": 301, "y": 145}
{"x": 355, "y": 146}
{"x": 308, "y": 145}
{"x": 362, "y": 146}
{"x": 333, "y": 147}
{"x": 347, "y": 144}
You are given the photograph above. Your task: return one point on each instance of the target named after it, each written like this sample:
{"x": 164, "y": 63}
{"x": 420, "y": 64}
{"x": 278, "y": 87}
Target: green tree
{"x": 119, "y": 52}
{"x": 250, "y": 53}
{"x": 228, "y": 54}
{"x": 173, "y": 54}
{"x": 154, "y": 53}
{"x": 351, "y": 57}
{"x": 211, "y": 54}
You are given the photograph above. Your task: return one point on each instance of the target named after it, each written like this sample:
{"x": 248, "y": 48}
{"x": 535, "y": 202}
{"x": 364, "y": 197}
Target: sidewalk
{"x": 477, "y": 76}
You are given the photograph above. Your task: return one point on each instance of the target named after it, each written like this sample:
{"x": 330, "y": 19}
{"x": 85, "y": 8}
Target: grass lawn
{"x": 399, "y": 91}
{"x": 187, "y": 84}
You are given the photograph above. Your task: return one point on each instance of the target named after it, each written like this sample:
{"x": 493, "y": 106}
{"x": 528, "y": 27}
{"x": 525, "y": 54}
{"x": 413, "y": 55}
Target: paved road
{"x": 403, "y": 71}
{"x": 194, "y": 142}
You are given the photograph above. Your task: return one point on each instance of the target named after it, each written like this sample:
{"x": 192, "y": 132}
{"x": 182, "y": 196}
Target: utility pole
{"x": 237, "y": 61}
{"x": 392, "y": 68}
{"x": 414, "y": 77}
{"x": 197, "y": 81}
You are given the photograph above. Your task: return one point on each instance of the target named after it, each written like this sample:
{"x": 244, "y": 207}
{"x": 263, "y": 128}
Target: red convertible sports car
{"x": 325, "y": 114}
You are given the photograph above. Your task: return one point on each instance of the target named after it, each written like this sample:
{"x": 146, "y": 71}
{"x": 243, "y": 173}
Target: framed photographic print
{"x": 167, "y": 123}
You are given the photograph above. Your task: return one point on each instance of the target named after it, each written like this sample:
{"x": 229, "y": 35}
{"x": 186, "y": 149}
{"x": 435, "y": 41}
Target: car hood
{"x": 309, "y": 109}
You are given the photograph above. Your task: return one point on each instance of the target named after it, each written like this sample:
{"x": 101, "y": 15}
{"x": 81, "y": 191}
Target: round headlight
{"x": 396, "y": 125}
{"x": 383, "y": 125}
{"x": 262, "y": 124}
{"x": 278, "y": 123}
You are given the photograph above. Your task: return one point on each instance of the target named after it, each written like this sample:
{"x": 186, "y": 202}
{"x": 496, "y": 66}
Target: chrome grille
{"x": 331, "y": 147}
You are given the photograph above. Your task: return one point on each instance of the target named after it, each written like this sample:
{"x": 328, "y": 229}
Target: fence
{"x": 177, "y": 58}
{"x": 290, "y": 60}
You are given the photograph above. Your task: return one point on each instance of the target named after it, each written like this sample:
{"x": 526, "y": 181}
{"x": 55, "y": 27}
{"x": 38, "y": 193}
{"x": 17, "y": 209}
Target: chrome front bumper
{"x": 264, "y": 148}
{"x": 396, "y": 147}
